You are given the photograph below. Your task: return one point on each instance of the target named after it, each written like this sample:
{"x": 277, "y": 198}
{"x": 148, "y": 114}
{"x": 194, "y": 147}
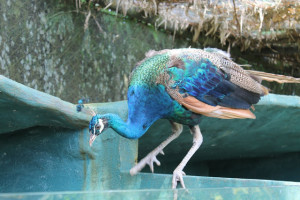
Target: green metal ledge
{"x": 44, "y": 148}
{"x": 157, "y": 187}
{"x": 227, "y": 193}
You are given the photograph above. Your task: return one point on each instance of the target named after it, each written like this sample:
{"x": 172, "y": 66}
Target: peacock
{"x": 182, "y": 85}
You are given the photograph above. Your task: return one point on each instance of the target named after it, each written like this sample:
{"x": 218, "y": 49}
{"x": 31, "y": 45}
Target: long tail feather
{"x": 274, "y": 77}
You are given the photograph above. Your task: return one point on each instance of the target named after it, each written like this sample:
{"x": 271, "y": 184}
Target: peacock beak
{"x": 92, "y": 138}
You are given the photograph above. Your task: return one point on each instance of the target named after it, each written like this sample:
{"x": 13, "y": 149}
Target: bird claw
{"x": 177, "y": 176}
{"x": 148, "y": 160}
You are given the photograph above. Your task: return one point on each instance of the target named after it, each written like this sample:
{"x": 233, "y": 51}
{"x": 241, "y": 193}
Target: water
{"x": 43, "y": 45}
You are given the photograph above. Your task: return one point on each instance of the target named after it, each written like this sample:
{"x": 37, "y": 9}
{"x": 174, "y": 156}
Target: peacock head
{"x": 97, "y": 125}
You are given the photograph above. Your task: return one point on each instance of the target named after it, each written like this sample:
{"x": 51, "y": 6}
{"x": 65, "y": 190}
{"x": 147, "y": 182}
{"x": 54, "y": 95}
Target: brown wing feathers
{"x": 199, "y": 107}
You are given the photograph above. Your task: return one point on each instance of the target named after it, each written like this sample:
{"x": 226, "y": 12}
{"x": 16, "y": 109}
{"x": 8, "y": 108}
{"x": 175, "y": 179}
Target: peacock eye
{"x": 97, "y": 127}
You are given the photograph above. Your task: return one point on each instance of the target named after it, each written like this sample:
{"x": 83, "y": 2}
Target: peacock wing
{"x": 206, "y": 89}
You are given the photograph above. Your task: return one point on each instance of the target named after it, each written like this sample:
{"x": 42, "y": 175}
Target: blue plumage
{"x": 150, "y": 96}
{"x": 211, "y": 85}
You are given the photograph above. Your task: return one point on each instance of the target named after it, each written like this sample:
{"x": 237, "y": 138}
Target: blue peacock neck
{"x": 129, "y": 129}
{"x": 146, "y": 104}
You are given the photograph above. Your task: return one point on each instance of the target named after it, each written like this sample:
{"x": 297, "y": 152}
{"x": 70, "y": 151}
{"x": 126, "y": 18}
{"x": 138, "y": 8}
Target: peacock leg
{"x": 197, "y": 141}
{"x": 151, "y": 157}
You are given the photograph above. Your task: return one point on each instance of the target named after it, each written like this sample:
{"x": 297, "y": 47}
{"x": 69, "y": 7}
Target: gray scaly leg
{"x": 151, "y": 157}
{"x": 197, "y": 141}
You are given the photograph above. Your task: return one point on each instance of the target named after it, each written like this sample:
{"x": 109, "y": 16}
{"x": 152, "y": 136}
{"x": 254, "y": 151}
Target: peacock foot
{"x": 148, "y": 160}
{"x": 177, "y": 176}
